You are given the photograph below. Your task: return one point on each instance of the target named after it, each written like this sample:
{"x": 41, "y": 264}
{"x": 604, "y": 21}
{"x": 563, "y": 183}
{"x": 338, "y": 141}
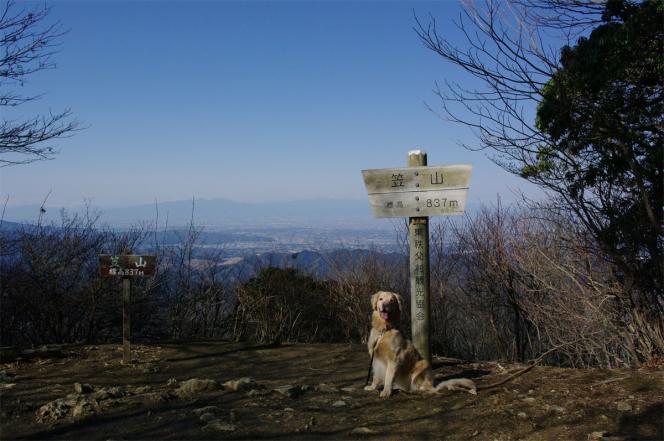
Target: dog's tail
{"x": 463, "y": 384}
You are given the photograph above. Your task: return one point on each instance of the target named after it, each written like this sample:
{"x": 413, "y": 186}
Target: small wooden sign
{"x": 127, "y": 265}
{"x": 418, "y": 191}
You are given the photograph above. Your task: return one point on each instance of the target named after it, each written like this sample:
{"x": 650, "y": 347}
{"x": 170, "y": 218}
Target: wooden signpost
{"x": 417, "y": 192}
{"x": 126, "y": 266}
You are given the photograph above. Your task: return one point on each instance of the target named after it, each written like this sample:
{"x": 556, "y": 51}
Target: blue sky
{"x": 251, "y": 101}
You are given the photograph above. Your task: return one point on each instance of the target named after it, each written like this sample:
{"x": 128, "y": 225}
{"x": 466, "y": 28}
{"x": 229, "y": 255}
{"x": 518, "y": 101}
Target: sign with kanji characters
{"x": 126, "y": 265}
{"x": 420, "y": 270}
{"x": 418, "y": 191}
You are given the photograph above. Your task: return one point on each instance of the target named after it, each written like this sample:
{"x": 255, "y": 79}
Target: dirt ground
{"x": 319, "y": 395}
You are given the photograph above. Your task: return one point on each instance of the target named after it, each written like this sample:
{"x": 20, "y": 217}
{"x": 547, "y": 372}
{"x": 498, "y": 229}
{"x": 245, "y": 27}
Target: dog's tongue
{"x": 384, "y": 315}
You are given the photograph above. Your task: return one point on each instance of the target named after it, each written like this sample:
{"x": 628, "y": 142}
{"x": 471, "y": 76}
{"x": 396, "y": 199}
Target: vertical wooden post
{"x": 418, "y": 244}
{"x": 126, "y": 324}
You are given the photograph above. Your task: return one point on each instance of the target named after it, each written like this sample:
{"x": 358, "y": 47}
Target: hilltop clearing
{"x": 221, "y": 390}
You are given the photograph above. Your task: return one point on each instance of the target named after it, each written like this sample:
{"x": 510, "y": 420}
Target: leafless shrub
{"x": 51, "y": 291}
{"x": 573, "y": 297}
{"x": 476, "y": 309}
{"x": 357, "y": 275}
{"x": 506, "y": 283}
{"x": 514, "y": 283}
{"x": 192, "y": 290}
{"x": 281, "y": 305}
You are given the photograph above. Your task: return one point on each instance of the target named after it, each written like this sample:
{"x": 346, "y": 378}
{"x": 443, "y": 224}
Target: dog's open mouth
{"x": 384, "y": 315}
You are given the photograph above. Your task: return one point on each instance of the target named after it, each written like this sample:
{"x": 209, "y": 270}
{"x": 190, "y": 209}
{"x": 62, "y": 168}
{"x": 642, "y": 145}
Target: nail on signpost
{"x": 417, "y": 192}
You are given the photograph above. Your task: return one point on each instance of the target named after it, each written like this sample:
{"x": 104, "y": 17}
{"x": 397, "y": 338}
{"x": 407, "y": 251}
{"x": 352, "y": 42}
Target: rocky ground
{"x": 220, "y": 390}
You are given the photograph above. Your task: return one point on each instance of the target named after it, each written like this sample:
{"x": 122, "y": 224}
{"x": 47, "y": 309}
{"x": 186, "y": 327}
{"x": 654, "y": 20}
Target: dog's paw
{"x": 370, "y": 387}
{"x": 385, "y": 393}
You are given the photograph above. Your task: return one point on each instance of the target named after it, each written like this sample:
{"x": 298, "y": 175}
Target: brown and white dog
{"x": 396, "y": 362}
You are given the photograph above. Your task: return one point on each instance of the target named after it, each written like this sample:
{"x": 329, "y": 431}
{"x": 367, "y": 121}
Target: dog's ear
{"x": 399, "y": 301}
{"x": 374, "y": 301}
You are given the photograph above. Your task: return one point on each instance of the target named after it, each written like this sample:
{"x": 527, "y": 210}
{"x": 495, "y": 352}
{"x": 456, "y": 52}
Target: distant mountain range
{"x": 220, "y": 212}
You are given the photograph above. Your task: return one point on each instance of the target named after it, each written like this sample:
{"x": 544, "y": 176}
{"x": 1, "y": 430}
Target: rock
{"x": 459, "y": 406}
{"x": 82, "y": 409}
{"x": 601, "y": 436}
{"x": 156, "y": 397}
{"x": 624, "y": 406}
{"x": 142, "y": 389}
{"x": 195, "y": 386}
{"x": 207, "y": 409}
{"x": 82, "y": 388}
{"x": 531, "y": 392}
{"x": 101, "y": 394}
{"x": 115, "y": 391}
{"x": 6, "y": 376}
{"x": 112, "y": 402}
{"x": 327, "y": 388}
{"x": 289, "y": 409}
{"x": 7, "y": 386}
{"x": 339, "y": 403}
{"x": 288, "y": 390}
{"x": 349, "y": 389}
{"x": 73, "y": 405}
{"x": 206, "y": 417}
{"x": 257, "y": 393}
{"x": 239, "y": 385}
{"x": 363, "y": 431}
{"x": 310, "y": 424}
{"x": 529, "y": 400}
{"x": 557, "y": 409}
{"x": 219, "y": 426}
{"x": 172, "y": 382}
{"x": 522, "y": 415}
{"x": 53, "y": 411}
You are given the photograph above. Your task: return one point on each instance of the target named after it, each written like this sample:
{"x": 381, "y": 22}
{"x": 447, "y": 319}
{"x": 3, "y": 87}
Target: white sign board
{"x": 418, "y": 191}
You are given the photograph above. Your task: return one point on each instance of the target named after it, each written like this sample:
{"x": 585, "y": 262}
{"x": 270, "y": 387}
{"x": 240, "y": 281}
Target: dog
{"x": 396, "y": 364}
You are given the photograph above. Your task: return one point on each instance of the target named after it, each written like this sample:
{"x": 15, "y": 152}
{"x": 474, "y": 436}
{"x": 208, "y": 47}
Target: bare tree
{"x": 568, "y": 95}
{"x": 27, "y": 45}
{"x": 512, "y": 48}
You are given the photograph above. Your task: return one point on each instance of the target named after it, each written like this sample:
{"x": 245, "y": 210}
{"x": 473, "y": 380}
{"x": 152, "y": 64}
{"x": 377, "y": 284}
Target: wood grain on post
{"x": 418, "y": 242}
{"x": 126, "y": 324}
